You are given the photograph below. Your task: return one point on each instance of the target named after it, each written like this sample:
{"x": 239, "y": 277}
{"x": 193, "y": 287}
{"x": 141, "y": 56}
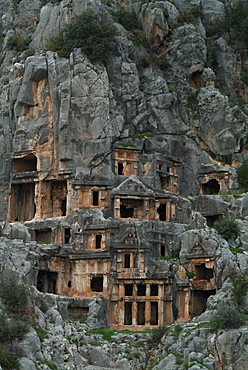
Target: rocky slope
{"x": 173, "y": 90}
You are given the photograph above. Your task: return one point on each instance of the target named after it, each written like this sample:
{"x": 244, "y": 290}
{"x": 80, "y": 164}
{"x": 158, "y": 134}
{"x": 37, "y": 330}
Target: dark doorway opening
{"x": 164, "y": 182}
{"x": 154, "y": 289}
{"x": 46, "y": 281}
{"x": 141, "y": 289}
{"x": 95, "y": 200}
{"x": 198, "y": 301}
{"x": 211, "y": 187}
{"x": 127, "y": 260}
{"x": 98, "y": 241}
{"x": 154, "y": 313}
{"x": 141, "y": 313}
{"x": 25, "y": 164}
{"x": 128, "y": 289}
{"x": 22, "y": 206}
{"x": 195, "y": 79}
{"x": 203, "y": 273}
{"x": 63, "y": 207}
{"x": 162, "y": 250}
{"x": 162, "y": 212}
{"x": 67, "y": 235}
{"x": 128, "y": 313}
{"x": 96, "y": 284}
{"x": 211, "y": 220}
{"x": 126, "y": 212}
{"x": 120, "y": 169}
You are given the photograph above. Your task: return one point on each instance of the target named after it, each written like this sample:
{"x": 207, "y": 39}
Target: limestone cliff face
{"x": 70, "y": 112}
{"x": 122, "y": 168}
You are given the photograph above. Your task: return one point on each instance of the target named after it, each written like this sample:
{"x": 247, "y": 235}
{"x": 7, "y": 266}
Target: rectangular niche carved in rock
{"x": 162, "y": 250}
{"x": 141, "y": 313}
{"x": 131, "y": 208}
{"x": 22, "y": 204}
{"x": 46, "y": 281}
{"x": 25, "y": 164}
{"x": 98, "y": 241}
{"x": 95, "y": 198}
{"x": 154, "y": 290}
{"x": 141, "y": 289}
{"x": 77, "y": 311}
{"x": 162, "y": 212}
{"x": 198, "y": 301}
{"x": 127, "y": 261}
{"x": 128, "y": 313}
{"x": 154, "y": 313}
{"x": 67, "y": 235}
{"x": 125, "y": 162}
{"x": 54, "y": 201}
{"x": 96, "y": 284}
{"x": 43, "y": 235}
{"x": 203, "y": 273}
{"x": 128, "y": 290}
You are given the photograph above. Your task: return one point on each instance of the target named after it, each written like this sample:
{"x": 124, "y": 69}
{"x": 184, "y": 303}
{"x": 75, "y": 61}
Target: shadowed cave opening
{"x": 211, "y": 187}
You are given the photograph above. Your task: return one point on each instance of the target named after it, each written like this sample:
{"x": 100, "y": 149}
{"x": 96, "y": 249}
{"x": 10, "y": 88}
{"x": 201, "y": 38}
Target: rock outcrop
{"x": 113, "y": 175}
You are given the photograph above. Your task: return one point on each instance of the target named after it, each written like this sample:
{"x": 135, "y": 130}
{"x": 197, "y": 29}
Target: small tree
{"x": 88, "y": 32}
{"x": 227, "y": 227}
{"x": 226, "y": 317}
{"x": 13, "y": 292}
{"x": 242, "y": 173}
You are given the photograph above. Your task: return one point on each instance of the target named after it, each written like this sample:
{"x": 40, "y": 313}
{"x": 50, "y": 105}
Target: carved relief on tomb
{"x": 140, "y": 303}
{"x": 215, "y": 182}
{"x": 168, "y": 177}
{"x": 133, "y": 200}
{"x": 126, "y": 162}
{"x": 90, "y": 197}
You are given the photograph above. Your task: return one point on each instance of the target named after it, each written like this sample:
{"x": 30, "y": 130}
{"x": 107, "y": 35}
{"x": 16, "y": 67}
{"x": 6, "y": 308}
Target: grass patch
{"x": 106, "y": 333}
{"x": 236, "y": 250}
{"x": 138, "y": 135}
{"x": 42, "y": 334}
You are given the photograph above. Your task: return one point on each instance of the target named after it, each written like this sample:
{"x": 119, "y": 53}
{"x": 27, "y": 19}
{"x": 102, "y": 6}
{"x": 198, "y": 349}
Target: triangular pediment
{"x": 129, "y": 239}
{"x": 198, "y": 248}
{"x": 132, "y": 185}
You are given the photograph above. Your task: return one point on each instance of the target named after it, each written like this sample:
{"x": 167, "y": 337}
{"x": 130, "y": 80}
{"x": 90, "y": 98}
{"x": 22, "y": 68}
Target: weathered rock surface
{"x": 112, "y": 175}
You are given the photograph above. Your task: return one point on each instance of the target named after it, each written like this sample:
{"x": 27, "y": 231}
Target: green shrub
{"x": 87, "y": 32}
{"x": 244, "y": 78}
{"x": 212, "y": 50}
{"x": 7, "y": 360}
{"x": 157, "y": 334}
{"x": 240, "y": 287}
{"x": 128, "y": 20}
{"x": 190, "y": 15}
{"x": 227, "y": 227}
{"x": 13, "y": 293}
{"x": 242, "y": 173}
{"x": 18, "y": 43}
{"x": 235, "y": 23}
{"x": 12, "y": 328}
{"x": 226, "y": 318}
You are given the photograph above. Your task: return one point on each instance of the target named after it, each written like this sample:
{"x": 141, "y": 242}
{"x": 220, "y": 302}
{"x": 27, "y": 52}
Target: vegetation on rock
{"x": 242, "y": 173}
{"x": 226, "y": 317}
{"x": 87, "y": 32}
{"x": 227, "y": 227}
{"x": 128, "y": 20}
